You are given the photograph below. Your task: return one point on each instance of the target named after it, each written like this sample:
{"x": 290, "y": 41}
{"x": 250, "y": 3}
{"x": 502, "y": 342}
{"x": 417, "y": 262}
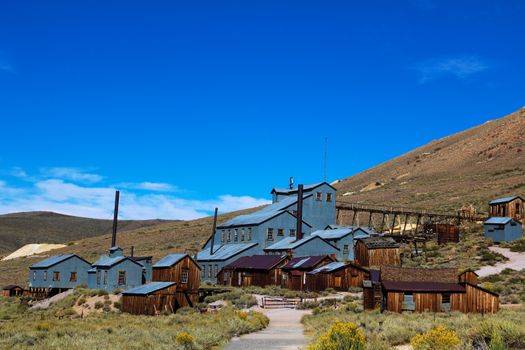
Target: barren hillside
{"x": 470, "y": 167}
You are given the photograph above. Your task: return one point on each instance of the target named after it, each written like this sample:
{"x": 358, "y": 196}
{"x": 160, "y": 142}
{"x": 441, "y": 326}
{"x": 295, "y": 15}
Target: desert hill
{"x": 470, "y": 167}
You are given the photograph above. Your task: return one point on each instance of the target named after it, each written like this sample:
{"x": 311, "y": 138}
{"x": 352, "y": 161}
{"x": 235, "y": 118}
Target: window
{"x": 203, "y": 271}
{"x": 215, "y": 270}
{"x": 345, "y": 249}
{"x": 45, "y": 275}
{"x": 229, "y": 235}
{"x": 105, "y": 277}
{"x": 34, "y": 275}
{"x": 209, "y": 271}
{"x": 184, "y": 275}
{"x": 319, "y": 196}
{"x": 292, "y": 232}
{"x": 243, "y": 234}
{"x": 236, "y": 235}
{"x": 280, "y": 232}
{"x": 73, "y": 277}
{"x": 121, "y": 278}
{"x": 329, "y": 197}
{"x": 56, "y": 276}
{"x": 223, "y": 235}
{"x": 98, "y": 277}
{"x": 270, "y": 234}
{"x": 249, "y": 233}
{"x": 445, "y": 302}
{"x": 408, "y": 302}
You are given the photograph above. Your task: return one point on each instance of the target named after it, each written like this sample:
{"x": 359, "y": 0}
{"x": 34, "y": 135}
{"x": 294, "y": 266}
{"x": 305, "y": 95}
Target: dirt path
{"x": 516, "y": 262}
{"x": 44, "y": 304}
{"x": 285, "y": 332}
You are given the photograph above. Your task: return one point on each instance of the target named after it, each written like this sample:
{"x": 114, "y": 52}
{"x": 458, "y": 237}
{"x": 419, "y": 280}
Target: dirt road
{"x": 516, "y": 262}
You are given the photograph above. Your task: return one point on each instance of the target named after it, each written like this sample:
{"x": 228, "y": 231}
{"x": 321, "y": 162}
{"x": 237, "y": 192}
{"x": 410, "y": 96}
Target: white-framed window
{"x": 236, "y": 235}
{"x": 269, "y": 234}
{"x": 329, "y": 197}
{"x": 184, "y": 275}
{"x": 243, "y": 234}
{"x": 319, "y": 196}
{"x": 280, "y": 232}
{"x": 229, "y": 235}
{"x": 292, "y": 232}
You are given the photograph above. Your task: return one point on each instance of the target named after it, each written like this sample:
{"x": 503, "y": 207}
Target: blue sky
{"x": 188, "y": 105}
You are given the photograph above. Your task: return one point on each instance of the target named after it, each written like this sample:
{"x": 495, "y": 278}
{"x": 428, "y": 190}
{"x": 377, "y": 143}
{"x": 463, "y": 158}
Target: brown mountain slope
{"x": 18, "y": 229}
{"x": 470, "y": 167}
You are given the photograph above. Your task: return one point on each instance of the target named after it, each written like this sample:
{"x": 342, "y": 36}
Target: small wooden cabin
{"x": 255, "y": 270}
{"x": 12, "y": 291}
{"x": 294, "y": 271}
{"x": 377, "y": 251}
{"x": 512, "y": 207}
{"x": 446, "y": 233}
{"x": 337, "y": 275}
{"x": 434, "y": 290}
{"x": 151, "y": 299}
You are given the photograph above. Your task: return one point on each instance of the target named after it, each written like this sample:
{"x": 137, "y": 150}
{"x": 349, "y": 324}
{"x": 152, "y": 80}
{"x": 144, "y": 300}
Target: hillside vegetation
{"x": 470, "y": 167}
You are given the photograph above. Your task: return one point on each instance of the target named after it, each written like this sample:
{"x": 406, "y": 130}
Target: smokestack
{"x": 299, "y": 229}
{"x": 115, "y": 219}
{"x": 213, "y": 231}
{"x": 132, "y": 250}
{"x": 291, "y": 182}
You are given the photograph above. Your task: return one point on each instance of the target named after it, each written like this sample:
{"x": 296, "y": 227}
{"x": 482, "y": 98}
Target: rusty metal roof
{"x": 399, "y": 286}
{"x": 256, "y": 262}
{"x": 379, "y": 242}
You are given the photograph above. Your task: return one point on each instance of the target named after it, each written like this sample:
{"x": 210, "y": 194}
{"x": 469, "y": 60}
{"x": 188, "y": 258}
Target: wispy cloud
{"x": 460, "y": 67}
{"x": 81, "y": 199}
{"x": 148, "y": 186}
{"x": 73, "y": 174}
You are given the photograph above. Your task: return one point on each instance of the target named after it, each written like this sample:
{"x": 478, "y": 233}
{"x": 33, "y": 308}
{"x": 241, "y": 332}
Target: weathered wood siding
{"x": 174, "y": 273}
{"x": 376, "y": 257}
{"x": 152, "y": 304}
{"x": 394, "y": 302}
{"x": 245, "y": 278}
{"x": 475, "y": 299}
{"x": 341, "y": 279}
{"x": 513, "y": 209}
{"x": 468, "y": 277}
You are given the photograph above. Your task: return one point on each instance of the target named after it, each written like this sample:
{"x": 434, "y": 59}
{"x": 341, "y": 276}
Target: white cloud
{"x": 459, "y": 67}
{"x": 18, "y": 172}
{"x": 148, "y": 186}
{"x": 65, "y": 197}
{"x": 73, "y": 174}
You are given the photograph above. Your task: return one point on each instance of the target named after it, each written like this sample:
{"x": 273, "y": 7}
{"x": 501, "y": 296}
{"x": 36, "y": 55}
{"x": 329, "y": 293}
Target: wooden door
{"x": 337, "y": 281}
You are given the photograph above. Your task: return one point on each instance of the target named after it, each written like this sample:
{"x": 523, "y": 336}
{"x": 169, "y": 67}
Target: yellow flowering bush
{"x": 439, "y": 338}
{"x": 185, "y": 339}
{"x": 341, "y": 336}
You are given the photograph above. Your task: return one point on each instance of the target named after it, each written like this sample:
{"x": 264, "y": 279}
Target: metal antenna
{"x": 325, "y": 155}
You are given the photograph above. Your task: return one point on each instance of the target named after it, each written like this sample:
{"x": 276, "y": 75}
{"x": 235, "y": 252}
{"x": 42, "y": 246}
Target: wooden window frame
{"x": 270, "y": 234}
{"x": 56, "y": 276}
{"x": 215, "y": 270}
{"x": 99, "y": 276}
{"x": 105, "y": 277}
{"x": 121, "y": 278}
{"x": 73, "y": 276}
{"x": 329, "y": 196}
{"x": 293, "y": 232}
{"x": 184, "y": 275}
{"x": 223, "y": 236}
{"x": 243, "y": 234}
{"x": 209, "y": 271}
{"x": 45, "y": 275}
{"x": 236, "y": 235}
{"x": 34, "y": 275}
{"x": 280, "y": 232}
{"x": 229, "y": 237}
{"x": 346, "y": 249}
{"x": 319, "y": 196}
{"x": 249, "y": 233}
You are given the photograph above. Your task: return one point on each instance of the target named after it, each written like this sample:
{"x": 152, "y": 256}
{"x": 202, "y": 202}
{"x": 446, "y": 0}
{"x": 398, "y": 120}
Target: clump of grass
{"x": 99, "y": 305}
{"x": 509, "y": 284}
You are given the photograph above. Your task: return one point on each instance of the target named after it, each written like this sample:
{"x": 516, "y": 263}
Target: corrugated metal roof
{"x": 503, "y": 200}
{"x": 304, "y": 262}
{"x": 333, "y": 234}
{"x": 224, "y": 252}
{"x": 268, "y": 212}
{"x": 290, "y": 243}
{"x": 170, "y": 260}
{"x": 256, "y": 262}
{"x": 379, "y": 242}
{"x": 294, "y": 190}
{"x": 52, "y": 260}
{"x": 423, "y": 287}
{"x": 329, "y": 267}
{"x": 148, "y": 288}
{"x": 496, "y": 220}
{"x": 107, "y": 261}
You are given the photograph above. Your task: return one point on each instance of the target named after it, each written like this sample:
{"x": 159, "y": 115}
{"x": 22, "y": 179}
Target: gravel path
{"x": 285, "y": 331}
{"x": 516, "y": 262}
{"x": 44, "y": 304}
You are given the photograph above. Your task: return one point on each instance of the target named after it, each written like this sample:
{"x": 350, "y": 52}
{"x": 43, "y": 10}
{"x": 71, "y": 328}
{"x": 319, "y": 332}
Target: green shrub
{"x": 117, "y": 305}
{"x": 117, "y": 291}
{"x": 81, "y": 301}
{"x": 99, "y": 305}
{"x": 305, "y": 305}
{"x": 102, "y": 292}
{"x": 341, "y": 336}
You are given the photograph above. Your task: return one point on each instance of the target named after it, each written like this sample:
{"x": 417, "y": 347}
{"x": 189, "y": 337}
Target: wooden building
{"x": 151, "y": 299}
{"x": 502, "y": 229}
{"x": 469, "y": 276}
{"x": 433, "y": 290}
{"x": 294, "y": 271}
{"x": 337, "y": 275}
{"x": 12, "y": 291}
{"x": 512, "y": 207}
{"x": 377, "y": 251}
{"x": 446, "y": 233}
{"x": 255, "y": 270}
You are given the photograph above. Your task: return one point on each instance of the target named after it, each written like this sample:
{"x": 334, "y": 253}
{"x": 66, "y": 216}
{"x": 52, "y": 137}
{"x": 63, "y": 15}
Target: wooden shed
{"x": 434, "y": 290}
{"x": 12, "y": 291}
{"x": 377, "y": 251}
{"x": 512, "y": 207}
{"x": 255, "y": 270}
{"x": 151, "y": 299}
{"x": 446, "y": 233}
{"x": 337, "y": 275}
{"x": 469, "y": 276}
{"x": 294, "y": 271}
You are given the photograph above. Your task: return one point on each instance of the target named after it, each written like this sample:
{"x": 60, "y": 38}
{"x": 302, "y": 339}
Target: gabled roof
{"x": 107, "y": 261}
{"x": 292, "y": 243}
{"x": 265, "y": 214}
{"x": 341, "y": 232}
{"x": 403, "y": 286}
{"x": 11, "y": 286}
{"x": 336, "y": 265}
{"x": 148, "y": 288}
{"x": 256, "y": 262}
{"x": 224, "y": 252}
{"x": 366, "y": 229}
{"x": 379, "y": 242}
{"x": 305, "y": 262}
{"x": 496, "y": 220}
{"x": 306, "y": 188}
{"x": 504, "y": 200}
{"x": 172, "y": 259}
{"x": 53, "y": 260}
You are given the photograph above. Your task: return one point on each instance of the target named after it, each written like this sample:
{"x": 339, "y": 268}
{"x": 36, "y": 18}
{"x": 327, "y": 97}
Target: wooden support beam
{"x": 417, "y": 223}
{"x": 382, "y": 223}
{"x": 393, "y": 224}
{"x": 405, "y": 226}
{"x": 353, "y": 217}
{"x": 369, "y": 219}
